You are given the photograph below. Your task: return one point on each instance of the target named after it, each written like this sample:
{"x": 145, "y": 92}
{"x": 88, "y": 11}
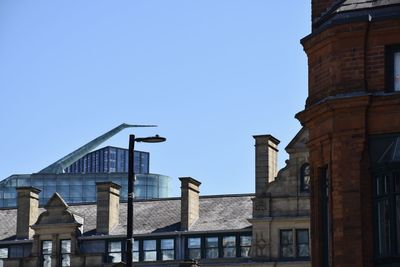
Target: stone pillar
{"x": 107, "y": 206}
{"x": 28, "y": 209}
{"x": 266, "y": 161}
{"x": 190, "y": 203}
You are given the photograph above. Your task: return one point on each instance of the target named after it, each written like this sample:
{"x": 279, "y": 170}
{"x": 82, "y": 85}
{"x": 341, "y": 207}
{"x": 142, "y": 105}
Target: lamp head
{"x": 151, "y": 139}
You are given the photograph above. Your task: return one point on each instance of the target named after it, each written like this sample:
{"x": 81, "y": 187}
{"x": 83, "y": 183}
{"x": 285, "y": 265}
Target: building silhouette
{"x": 353, "y": 116}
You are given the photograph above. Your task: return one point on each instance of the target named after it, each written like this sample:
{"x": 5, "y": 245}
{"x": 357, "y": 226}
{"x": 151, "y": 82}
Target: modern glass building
{"x": 75, "y": 175}
{"x": 81, "y": 188}
{"x": 110, "y": 159}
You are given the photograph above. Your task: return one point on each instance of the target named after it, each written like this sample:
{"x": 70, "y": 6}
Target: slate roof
{"x": 217, "y": 213}
{"x": 349, "y": 5}
{"x": 345, "y": 11}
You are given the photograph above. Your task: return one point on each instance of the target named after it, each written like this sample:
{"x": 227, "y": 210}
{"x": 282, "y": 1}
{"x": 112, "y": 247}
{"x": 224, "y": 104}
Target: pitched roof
{"x": 217, "y": 213}
{"x": 344, "y": 11}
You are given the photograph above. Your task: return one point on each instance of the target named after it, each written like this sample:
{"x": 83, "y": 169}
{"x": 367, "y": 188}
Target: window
{"x": 212, "y": 247}
{"x": 302, "y": 243}
{"x": 387, "y": 217}
{"x": 294, "y": 246}
{"x": 305, "y": 178}
{"x": 167, "y": 249}
{"x": 325, "y": 210}
{"x": 245, "y": 245}
{"x": 3, "y": 255}
{"x": 286, "y": 243}
{"x": 135, "y": 251}
{"x": 149, "y": 250}
{"x": 20, "y": 250}
{"x": 393, "y": 68}
{"x": 65, "y": 256}
{"x": 385, "y": 155}
{"x": 194, "y": 248}
{"x": 47, "y": 247}
{"x": 229, "y": 246}
{"x": 92, "y": 246}
{"x": 114, "y": 251}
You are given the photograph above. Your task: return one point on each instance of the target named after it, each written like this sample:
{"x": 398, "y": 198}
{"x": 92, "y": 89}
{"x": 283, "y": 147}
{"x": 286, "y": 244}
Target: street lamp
{"x": 131, "y": 177}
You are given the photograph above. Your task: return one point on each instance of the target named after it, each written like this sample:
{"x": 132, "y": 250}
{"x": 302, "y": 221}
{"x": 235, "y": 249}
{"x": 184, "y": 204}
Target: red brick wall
{"x": 349, "y": 58}
{"x": 345, "y": 59}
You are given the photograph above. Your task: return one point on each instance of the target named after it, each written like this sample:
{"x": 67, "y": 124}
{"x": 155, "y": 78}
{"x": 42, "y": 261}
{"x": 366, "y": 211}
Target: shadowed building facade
{"x": 353, "y": 116}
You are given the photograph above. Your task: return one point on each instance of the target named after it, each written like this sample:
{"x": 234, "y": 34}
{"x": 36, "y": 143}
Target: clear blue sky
{"x": 210, "y": 73}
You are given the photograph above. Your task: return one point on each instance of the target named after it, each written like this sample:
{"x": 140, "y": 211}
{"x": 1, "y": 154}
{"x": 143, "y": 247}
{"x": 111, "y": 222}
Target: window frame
{"x": 390, "y": 68}
{"x": 386, "y": 170}
{"x": 138, "y": 242}
{"x": 108, "y": 251}
{"x": 160, "y": 251}
{"x": 7, "y": 255}
{"x": 234, "y": 247}
{"x": 290, "y": 245}
{"x": 8, "y": 252}
{"x": 200, "y": 247}
{"x": 294, "y": 245}
{"x": 67, "y": 253}
{"x": 152, "y": 250}
{"x": 43, "y": 254}
{"x": 297, "y": 243}
{"x": 210, "y": 248}
{"x": 203, "y": 249}
{"x": 241, "y": 246}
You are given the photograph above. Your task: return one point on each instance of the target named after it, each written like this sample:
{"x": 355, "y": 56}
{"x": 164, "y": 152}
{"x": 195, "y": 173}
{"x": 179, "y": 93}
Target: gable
{"x": 299, "y": 142}
{"x": 57, "y": 212}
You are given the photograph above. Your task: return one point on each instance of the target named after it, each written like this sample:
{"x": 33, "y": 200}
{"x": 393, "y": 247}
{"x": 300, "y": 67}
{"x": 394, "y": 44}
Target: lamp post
{"x": 131, "y": 177}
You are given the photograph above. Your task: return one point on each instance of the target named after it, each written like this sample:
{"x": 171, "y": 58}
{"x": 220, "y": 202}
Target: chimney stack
{"x": 190, "y": 203}
{"x": 107, "y": 206}
{"x": 28, "y": 209}
{"x": 266, "y": 161}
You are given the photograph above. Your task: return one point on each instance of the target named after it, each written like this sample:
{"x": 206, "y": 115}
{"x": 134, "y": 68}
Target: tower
{"x": 353, "y": 116}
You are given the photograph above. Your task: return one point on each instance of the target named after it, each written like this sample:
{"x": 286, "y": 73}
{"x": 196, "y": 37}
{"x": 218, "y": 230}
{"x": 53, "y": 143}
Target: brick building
{"x": 353, "y": 116}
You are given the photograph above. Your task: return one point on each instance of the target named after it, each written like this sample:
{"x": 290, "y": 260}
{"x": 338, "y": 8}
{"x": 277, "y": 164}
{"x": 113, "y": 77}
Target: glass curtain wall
{"x": 81, "y": 188}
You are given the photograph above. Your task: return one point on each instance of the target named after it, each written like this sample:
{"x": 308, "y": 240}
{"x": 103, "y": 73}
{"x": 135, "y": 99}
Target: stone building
{"x": 353, "y": 116}
{"x": 281, "y": 205}
{"x": 268, "y": 228}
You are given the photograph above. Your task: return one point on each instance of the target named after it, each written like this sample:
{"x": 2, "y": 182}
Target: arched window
{"x": 305, "y": 178}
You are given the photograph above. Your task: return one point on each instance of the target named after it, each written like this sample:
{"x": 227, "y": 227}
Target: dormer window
{"x": 305, "y": 178}
{"x": 393, "y": 68}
